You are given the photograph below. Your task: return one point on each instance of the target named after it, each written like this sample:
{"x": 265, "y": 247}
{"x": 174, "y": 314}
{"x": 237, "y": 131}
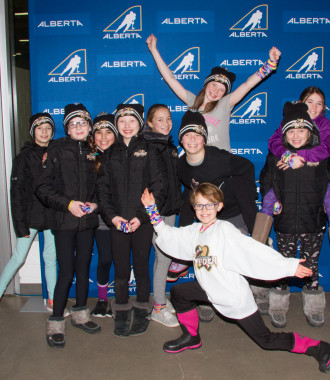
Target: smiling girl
{"x": 127, "y": 168}
{"x": 296, "y": 200}
{"x": 67, "y": 185}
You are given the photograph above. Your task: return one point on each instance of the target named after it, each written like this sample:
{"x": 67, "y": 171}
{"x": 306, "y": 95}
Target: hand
{"x": 93, "y": 207}
{"x": 281, "y": 165}
{"x": 274, "y": 54}
{"x": 76, "y": 210}
{"x": 147, "y": 198}
{"x": 151, "y": 42}
{"x": 303, "y": 271}
{"x": 135, "y": 223}
{"x": 298, "y": 162}
{"x": 116, "y": 221}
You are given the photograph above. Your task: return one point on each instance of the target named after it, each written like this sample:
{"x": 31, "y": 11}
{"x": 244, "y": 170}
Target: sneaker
{"x": 176, "y": 271}
{"x": 49, "y": 305}
{"x": 165, "y": 317}
{"x": 109, "y": 313}
{"x": 205, "y": 313}
{"x": 100, "y": 309}
{"x": 169, "y": 306}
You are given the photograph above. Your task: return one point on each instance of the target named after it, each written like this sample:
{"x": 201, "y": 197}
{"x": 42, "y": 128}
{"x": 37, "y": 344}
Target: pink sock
{"x": 102, "y": 292}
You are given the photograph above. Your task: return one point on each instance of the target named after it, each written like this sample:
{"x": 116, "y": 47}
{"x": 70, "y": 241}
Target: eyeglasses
{"x": 73, "y": 124}
{"x": 208, "y": 206}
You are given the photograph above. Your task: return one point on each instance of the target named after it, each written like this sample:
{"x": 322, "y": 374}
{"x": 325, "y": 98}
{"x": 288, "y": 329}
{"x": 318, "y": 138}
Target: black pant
{"x": 185, "y": 296}
{"x": 122, "y": 244}
{"x": 74, "y": 251}
{"x": 104, "y": 262}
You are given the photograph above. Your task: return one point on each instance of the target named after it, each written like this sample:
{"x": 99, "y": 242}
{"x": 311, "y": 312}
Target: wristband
{"x": 287, "y": 158}
{"x": 267, "y": 68}
{"x": 70, "y": 205}
{"x": 153, "y": 213}
{"x": 125, "y": 227}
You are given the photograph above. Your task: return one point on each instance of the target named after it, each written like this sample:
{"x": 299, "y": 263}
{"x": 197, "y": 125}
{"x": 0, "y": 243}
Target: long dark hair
{"x": 307, "y": 92}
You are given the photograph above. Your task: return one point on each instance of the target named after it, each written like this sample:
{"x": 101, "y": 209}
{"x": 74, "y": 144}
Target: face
{"x": 161, "y": 121}
{"x": 207, "y": 216}
{"x": 214, "y": 91}
{"x": 104, "y": 138}
{"x": 79, "y": 128}
{"x": 128, "y": 127}
{"x": 315, "y": 105}
{"x": 297, "y": 137}
{"x": 193, "y": 143}
{"x": 43, "y": 134}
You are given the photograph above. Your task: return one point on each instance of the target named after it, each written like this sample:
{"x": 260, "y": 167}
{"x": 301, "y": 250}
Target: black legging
{"x": 74, "y": 251}
{"x": 104, "y": 262}
{"x": 185, "y": 296}
{"x": 121, "y": 245}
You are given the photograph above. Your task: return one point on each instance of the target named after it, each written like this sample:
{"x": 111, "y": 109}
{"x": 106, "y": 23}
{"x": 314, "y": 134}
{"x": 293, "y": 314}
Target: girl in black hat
{"x": 104, "y": 135}
{"x": 28, "y": 213}
{"x": 67, "y": 185}
{"x": 215, "y": 101}
{"x": 296, "y": 200}
{"x": 127, "y": 168}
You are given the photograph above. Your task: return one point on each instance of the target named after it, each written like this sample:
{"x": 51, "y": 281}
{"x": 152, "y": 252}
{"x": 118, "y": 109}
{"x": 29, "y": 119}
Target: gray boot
{"x": 261, "y": 296}
{"x": 278, "y": 306}
{"x": 314, "y": 306}
{"x": 55, "y": 332}
{"x": 81, "y": 318}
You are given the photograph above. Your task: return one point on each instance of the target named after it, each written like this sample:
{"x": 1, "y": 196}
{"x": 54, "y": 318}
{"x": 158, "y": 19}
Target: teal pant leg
{"x": 49, "y": 255}
{"x": 17, "y": 260}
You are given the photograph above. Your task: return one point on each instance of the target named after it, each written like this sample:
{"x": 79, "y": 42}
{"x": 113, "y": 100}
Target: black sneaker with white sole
{"x": 100, "y": 309}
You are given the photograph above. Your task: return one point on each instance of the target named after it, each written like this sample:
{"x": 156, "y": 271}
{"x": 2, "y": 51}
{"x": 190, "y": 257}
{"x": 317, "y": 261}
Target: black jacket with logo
{"x": 169, "y": 152}
{"x": 123, "y": 176}
{"x": 68, "y": 174}
{"x": 27, "y": 211}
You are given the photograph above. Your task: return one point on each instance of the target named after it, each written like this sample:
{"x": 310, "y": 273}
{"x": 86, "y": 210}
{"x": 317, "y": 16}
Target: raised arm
{"x": 165, "y": 72}
{"x": 254, "y": 79}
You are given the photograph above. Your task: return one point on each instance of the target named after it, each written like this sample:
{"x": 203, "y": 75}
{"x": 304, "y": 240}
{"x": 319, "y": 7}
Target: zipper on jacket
{"x": 126, "y": 168}
{"x": 80, "y": 173}
{"x": 298, "y": 200}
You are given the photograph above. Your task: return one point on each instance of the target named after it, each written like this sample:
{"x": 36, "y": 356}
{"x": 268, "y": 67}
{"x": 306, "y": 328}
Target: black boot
{"x": 184, "y": 342}
{"x": 122, "y": 323}
{"x": 321, "y": 353}
{"x": 140, "y": 322}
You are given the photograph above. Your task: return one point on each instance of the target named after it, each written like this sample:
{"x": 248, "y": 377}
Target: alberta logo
{"x": 252, "y": 24}
{"x": 71, "y": 69}
{"x": 187, "y": 64}
{"x": 309, "y": 66}
{"x": 127, "y": 25}
{"x": 253, "y": 111}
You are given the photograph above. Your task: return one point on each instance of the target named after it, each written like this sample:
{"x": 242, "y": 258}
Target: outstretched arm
{"x": 253, "y": 80}
{"x": 165, "y": 72}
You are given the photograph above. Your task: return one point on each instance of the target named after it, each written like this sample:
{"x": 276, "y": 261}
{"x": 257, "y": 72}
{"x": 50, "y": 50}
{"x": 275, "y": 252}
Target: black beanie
{"x": 105, "y": 121}
{"x": 222, "y": 75}
{"x": 75, "y": 110}
{"x": 193, "y": 122}
{"x": 296, "y": 116}
{"x": 135, "y": 110}
{"x": 38, "y": 119}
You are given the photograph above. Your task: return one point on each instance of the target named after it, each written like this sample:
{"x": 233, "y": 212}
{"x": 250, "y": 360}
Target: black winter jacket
{"x": 68, "y": 174}
{"x": 123, "y": 176}
{"x": 301, "y": 192}
{"x": 168, "y": 150}
{"x": 27, "y": 211}
{"x": 233, "y": 174}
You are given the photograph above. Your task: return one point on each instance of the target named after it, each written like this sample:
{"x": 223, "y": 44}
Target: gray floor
{"x": 227, "y": 353}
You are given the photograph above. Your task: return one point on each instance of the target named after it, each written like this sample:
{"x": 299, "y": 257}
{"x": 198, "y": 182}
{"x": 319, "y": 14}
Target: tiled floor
{"x": 227, "y": 352}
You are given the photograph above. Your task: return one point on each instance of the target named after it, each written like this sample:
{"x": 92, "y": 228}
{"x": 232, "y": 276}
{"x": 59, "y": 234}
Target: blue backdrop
{"x": 95, "y": 53}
